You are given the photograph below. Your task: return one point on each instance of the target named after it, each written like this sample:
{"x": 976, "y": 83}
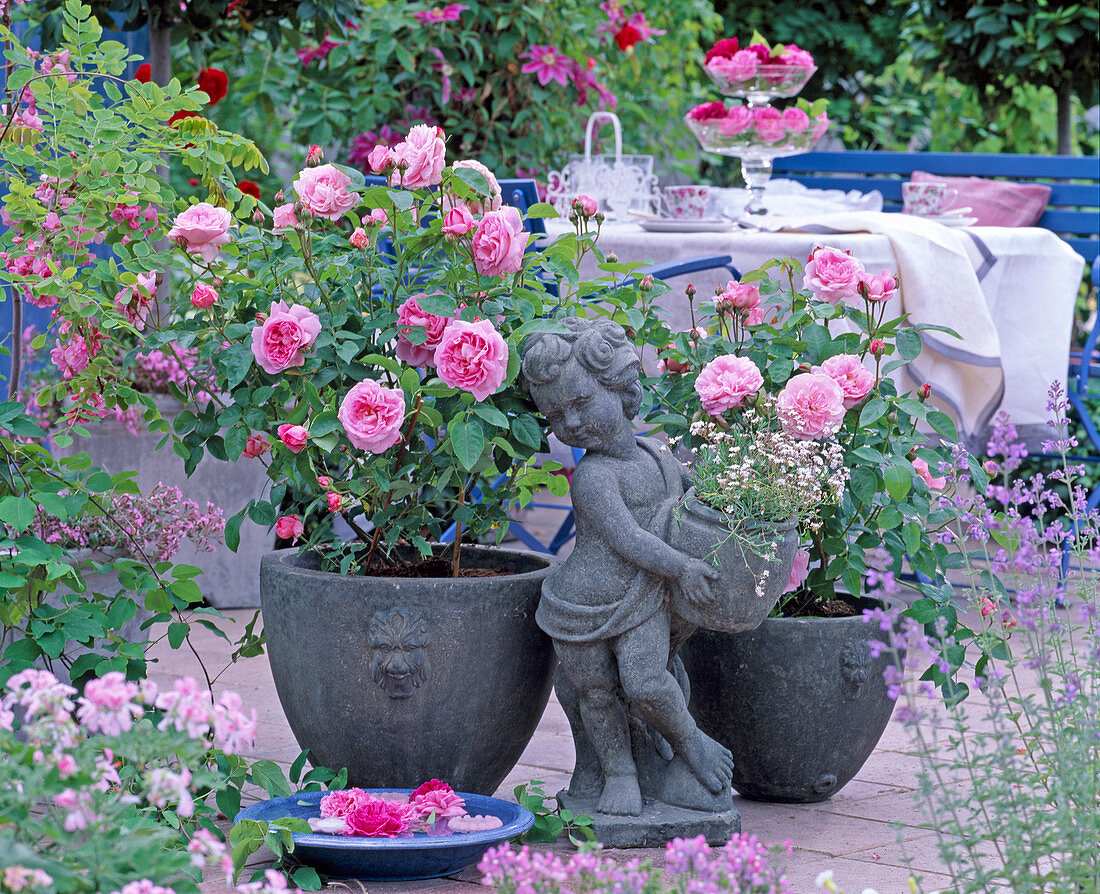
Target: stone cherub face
{"x": 581, "y": 412}
{"x": 399, "y": 652}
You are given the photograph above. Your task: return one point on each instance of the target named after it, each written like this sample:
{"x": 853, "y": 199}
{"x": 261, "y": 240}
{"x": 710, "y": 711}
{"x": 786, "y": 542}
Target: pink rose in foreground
{"x": 458, "y": 221}
{"x": 737, "y": 296}
{"x": 255, "y": 445}
{"x": 432, "y": 785}
{"x": 878, "y": 287}
{"x": 795, "y": 120}
{"x": 741, "y": 66}
{"x": 737, "y": 121}
{"x": 279, "y": 343}
{"x": 202, "y": 229}
{"x": 333, "y": 501}
{"x": 294, "y": 437}
{"x": 204, "y": 296}
{"x": 854, "y": 379}
{"x": 420, "y": 157}
{"x": 834, "y": 276}
{"x": 372, "y": 415}
{"x": 473, "y": 357}
{"x": 324, "y": 191}
{"x": 341, "y": 803}
{"x": 444, "y": 804}
{"x": 811, "y": 406}
{"x": 800, "y": 570}
{"x": 476, "y": 823}
{"x": 921, "y": 468}
{"x": 708, "y": 111}
{"x": 381, "y": 159}
{"x": 378, "y": 217}
{"x": 796, "y": 57}
{"x": 409, "y": 314}
{"x": 727, "y": 382}
{"x": 380, "y": 819}
{"x": 289, "y": 527}
{"x": 586, "y": 205}
{"x": 359, "y": 238}
{"x": 495, "y": 199}
{"x": 499, "y": 243}
{"x": 285, "y": 218}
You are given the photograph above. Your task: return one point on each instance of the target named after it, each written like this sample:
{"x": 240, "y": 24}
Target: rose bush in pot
{"x": 366, "y": 341}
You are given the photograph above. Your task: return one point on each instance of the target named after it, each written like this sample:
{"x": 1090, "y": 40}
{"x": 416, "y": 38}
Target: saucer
{"x": 951, "y": 220}
{"x": 694, "y": 225}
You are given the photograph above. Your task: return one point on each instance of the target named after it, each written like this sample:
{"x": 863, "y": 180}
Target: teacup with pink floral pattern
{"x": 686, "y": 202}
{"x": 926, "y": 199}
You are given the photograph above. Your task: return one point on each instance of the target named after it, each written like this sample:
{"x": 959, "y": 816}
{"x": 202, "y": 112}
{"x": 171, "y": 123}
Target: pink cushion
{"x": 995, "y": 203}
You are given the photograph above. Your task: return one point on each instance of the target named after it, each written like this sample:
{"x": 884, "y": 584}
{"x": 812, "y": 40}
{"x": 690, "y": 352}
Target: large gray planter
{"x": 402, "y": 680}
{"x": 229, "y": 579}
{"x": 799, "y": 702}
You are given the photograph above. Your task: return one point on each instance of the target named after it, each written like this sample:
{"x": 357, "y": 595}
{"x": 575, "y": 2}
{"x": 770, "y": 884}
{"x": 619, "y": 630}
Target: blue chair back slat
{"x": 1086, "y": 248}
{"x": 1024, "y": 167}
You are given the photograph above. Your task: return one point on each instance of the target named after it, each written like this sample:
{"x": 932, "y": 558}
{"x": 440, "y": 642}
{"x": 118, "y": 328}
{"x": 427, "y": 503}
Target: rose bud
{"x": 315, "y": 156}
{"x": 324, "y": 481}
{"x": 877, "y": 347}
{"x": 289, "y": 527}
{"x": 255, "y": 445}
{"x": 333, "y": 501}
{"x": 924, "y": 392}
{"x": 293, "y": 437}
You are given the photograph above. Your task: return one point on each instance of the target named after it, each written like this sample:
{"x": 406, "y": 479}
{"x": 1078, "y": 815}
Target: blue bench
{"x": 1073, "y": 211}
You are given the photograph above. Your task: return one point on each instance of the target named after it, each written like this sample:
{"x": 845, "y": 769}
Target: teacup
{"x": 686, "y": 202}
{"x": 926, "y": 199}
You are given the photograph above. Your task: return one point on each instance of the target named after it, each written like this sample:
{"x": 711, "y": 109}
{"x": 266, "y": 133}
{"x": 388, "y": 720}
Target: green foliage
{"x": 551, "y": 820}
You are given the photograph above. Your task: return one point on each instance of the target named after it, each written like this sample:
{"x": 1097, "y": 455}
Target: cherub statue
{"x": 607, "y": 608}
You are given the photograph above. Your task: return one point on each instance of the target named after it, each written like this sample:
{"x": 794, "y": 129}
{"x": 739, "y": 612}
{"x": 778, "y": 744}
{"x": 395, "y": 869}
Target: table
{"x": 1008, "y": 292}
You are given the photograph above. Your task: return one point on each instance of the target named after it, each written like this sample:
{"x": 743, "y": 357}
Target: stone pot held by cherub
{"x": 404, "y": 679}
{"x": 703, "y": 532}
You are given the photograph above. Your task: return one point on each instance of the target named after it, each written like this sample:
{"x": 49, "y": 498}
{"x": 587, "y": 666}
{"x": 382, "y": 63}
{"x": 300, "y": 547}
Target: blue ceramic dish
{"x": 392, "y": 859}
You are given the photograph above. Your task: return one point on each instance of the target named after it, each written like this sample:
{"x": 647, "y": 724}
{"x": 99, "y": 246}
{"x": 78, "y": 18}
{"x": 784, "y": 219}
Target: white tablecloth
{"x": 1008, "y": 292}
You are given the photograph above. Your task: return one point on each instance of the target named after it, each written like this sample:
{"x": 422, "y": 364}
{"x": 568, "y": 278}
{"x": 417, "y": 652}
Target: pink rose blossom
{"x": 409, "y": 314}
{"x": 285, "y": 218}
{"x": 432, "y": 785}
{"x": 821, "y": 124}
{"x": 202, "y": 229}
{"x": 333, "y": 501}
{"x": 800, "y": 570}
{"x": 378, "y": 217}
{"x": 834, "y": 276}
{"x": 796, "y": 57}
{"x": 737, "y": 296}
{"x": 727, "y": 382}
{"x": 293, "y": 437}
{"x": 811, "y": 407}
{"x": 458, "y": 222}
{"x": 380, "y": 819}
{"x": 586, "y": 205}
{"x": 495, "y": 198}
{"x": 795, "y": 120}
{"x": 289, "y": 527}
{"x": 444, "y": 804}
{"x": 708, "y": 111}
{"x": 420, "y": 157}
{"x": 738, "y": 120}
{"x": 767, "y": 122}
{"x": 381, "y": 159}
{"x": 279, "y": 343}
{"x": 878, "y": 287}
{"x": 854, "y": 379}
{"x": 359, "y": 238}
{"x": 324, "y": 191}
{"x": 986, "y": 607}
{"x": 204, "y": 296}
{"x": 341, "y": 803}
{"x": 499, "y": 243}
{"x": 921, "y": 468}
{"x": 255, "y": 445}
{"x": 741, "y": 66}
{"x": 473, "y": 357}
{"x": 372, "y": 415}
{"x": 324, "y": 481}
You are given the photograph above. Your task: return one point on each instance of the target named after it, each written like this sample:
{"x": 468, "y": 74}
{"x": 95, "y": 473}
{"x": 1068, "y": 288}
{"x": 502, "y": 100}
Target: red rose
{"x": 214, "y": 83}
{"x": 180, "y": 115}
{"x": 432, "y": 785}
{"x": 144, "y": 73}
{"x": 249, "y": 189}
{"x": 627, "y": 37}
{"x": 724, "y": 48}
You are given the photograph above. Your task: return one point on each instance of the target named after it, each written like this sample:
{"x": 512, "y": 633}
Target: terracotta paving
{"x": 871, "y": 833}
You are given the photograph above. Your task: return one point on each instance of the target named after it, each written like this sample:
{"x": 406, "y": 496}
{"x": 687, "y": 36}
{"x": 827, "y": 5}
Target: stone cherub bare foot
{"x": 607, "y": 607}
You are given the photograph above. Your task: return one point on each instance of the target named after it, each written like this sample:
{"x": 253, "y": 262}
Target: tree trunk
{"x": 1066, "y": 144}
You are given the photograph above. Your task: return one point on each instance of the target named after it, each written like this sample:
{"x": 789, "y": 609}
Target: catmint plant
{"x": 1010, "y": 780}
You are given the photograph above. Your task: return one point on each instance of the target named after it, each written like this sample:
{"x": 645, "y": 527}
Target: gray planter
{"x": 799, "y": 702}
{"x": 229, "y": 579}
{"x": 402, "y": 680}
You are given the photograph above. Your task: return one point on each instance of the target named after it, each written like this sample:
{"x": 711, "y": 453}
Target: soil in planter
{"x": 804, "y": 605}
{"x": 434, "y": 567}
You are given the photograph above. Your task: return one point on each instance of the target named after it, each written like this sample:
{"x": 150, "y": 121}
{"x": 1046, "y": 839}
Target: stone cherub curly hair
{"x": 599, "y": 346}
